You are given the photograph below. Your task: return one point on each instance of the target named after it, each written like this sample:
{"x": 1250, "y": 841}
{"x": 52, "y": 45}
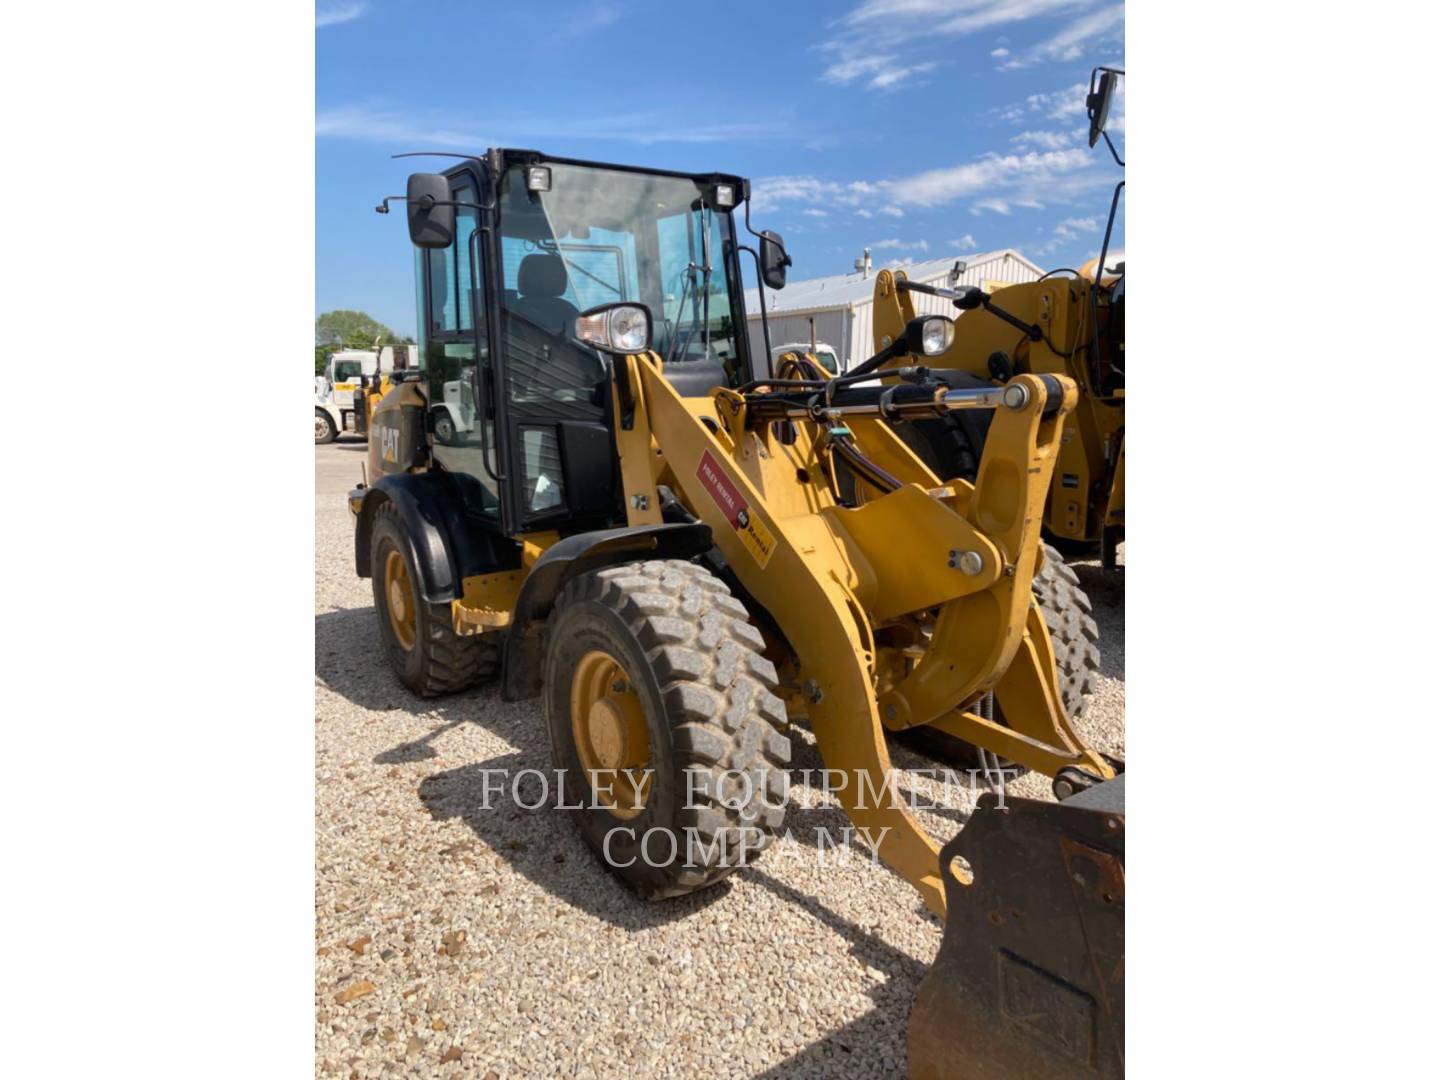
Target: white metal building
{"x": 841, "y": 305}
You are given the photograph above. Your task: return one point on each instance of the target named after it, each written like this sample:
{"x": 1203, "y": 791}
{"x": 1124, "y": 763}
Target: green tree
{"x": 344, "y": 329}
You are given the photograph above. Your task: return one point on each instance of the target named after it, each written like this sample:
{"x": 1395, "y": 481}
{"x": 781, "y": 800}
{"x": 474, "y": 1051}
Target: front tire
{"x": 1074, "y": 635}
{"x": 419, "y": 638}
{"x": 325, "y": 431}
{"x": 1075, "y": 638}
{"x": 655, "y": 668}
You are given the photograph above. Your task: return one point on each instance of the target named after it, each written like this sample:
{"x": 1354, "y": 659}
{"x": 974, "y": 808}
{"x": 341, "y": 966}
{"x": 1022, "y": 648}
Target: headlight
{"x": 617, "y": 328}
{"x": 537, "y": 178}
{"x": 725, "y": 195}
{"x": 629, "y": 329}
{"x": 936, "y": 334}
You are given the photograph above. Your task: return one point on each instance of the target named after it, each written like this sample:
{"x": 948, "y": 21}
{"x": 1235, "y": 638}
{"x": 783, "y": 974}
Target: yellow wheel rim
{"x": 400, "y": 600}
{"x": 607, "y": 722}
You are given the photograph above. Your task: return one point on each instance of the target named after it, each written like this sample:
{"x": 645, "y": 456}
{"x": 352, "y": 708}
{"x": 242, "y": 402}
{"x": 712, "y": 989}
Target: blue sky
{"x": 918, "y": 128}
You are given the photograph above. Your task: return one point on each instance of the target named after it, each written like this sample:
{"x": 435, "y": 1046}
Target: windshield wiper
{"x": 558, "y": 250}
{"x": 706, "y": 270}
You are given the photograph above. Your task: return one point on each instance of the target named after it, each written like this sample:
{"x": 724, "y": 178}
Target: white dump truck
{"x": 335, "y": 390}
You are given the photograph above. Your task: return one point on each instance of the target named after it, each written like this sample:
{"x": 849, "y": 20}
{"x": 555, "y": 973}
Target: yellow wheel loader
{"x": 1061, "y": 325}
{"x": 593, "y": 491}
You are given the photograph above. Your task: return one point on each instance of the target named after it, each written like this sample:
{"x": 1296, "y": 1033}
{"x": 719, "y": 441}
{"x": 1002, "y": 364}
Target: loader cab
{"x": 517, "y": 407}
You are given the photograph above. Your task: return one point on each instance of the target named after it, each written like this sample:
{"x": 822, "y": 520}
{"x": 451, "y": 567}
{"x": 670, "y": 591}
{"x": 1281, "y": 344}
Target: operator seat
{"x": 541, "y": 282}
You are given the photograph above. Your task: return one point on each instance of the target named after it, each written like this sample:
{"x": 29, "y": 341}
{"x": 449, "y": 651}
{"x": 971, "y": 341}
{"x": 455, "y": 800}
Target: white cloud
{"x": 1066, "y": 106}
{"x": 333, "y": 14}
{"x": 871, "y": 38}
{"x": 1067, "y": 232}
{"x": 891, "y": 78}
{"x": 1044, "y": 167}
{"x": 954, "y": 16}
{"x": 1060, "y": 104}
{"x": 1070, "y": 43}
{"x": 1085, "y": 35}
{"x": 1045, "y": 140}
{"x": 992, "y": 183}
{"x": 885, "y": 72}
{"x": 382, "y": 123}
{"x": 966, "y": 242}
{"x": 811, "y": 211}
{"x": 1031, "y": 173}
{"x": 900, "y": 245}
{"x": 770, "y": 192}
{"x": 850, "y": 69}
{"x": 395, "y": 126}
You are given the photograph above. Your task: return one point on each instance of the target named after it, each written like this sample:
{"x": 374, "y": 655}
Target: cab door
{"x": 553, "y": 395}
{"x": 455, "y": 355}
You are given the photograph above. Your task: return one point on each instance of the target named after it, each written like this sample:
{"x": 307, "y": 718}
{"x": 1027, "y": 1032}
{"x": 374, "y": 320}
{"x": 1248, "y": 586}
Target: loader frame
{"x": 833, "y": 579}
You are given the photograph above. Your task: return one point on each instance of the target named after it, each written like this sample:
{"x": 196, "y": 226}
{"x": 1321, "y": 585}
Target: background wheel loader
{"x": 1072, "y": 325}
{"x": 680, "y": 554}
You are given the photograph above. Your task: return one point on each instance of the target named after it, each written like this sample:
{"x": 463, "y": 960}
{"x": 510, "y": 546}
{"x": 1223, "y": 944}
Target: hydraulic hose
{"x": 844, "y": 446}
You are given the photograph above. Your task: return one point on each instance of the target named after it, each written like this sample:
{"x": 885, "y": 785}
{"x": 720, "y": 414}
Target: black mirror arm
{"x": 760, "y": 291}
{"x": 1033, "y": 332}
{"x": 768, "y": 239}
{"x": 965, "y": 300}
{"x": 425, "y": 203}
{"x": 1111, "y": 145}
{"x": 620, "y": 372}
{"x": 957, "y": 295}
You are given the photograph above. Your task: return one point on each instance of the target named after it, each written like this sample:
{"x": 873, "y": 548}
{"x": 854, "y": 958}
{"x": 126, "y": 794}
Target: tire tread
{"x": 718, "y": 693}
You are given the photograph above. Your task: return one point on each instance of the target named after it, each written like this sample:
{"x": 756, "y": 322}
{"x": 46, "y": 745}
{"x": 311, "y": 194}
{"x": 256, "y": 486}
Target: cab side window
{"x": 457, "y": 352}
{"x": 456, "y": 300}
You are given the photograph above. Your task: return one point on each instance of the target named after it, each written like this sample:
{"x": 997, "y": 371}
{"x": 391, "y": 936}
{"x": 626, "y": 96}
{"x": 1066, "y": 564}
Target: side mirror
{"x": 968, "y": 297}
{"x": 773, "y": 259}
{"x": 1097, "y": 104}
{"x": 430, "y": 211}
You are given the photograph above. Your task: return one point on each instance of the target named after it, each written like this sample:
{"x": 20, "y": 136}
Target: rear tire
{"x": 325, "y": 431}
{"x": 419, "y": 638}
{"x": 717, "y": 756}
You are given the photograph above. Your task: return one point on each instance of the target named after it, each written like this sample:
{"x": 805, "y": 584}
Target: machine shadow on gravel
{"x": 543, "y": 844}
{"x": 804, "y": 824}
{"x": 350, "y": 661}
{"x": 872, "y": 1044}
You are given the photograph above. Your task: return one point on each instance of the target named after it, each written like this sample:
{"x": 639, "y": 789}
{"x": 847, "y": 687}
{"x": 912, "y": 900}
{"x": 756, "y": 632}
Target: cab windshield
{"x": 601, "y": 236}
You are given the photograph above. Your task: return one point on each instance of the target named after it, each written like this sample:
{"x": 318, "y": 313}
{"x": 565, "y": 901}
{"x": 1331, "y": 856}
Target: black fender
{"x": 428, "y": 548}
{"x": 445, "y": 546}
{"x": 574, "y": 555}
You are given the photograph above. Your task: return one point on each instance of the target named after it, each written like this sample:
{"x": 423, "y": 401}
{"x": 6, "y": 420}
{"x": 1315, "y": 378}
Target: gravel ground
{"x": 452, "y": 941}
